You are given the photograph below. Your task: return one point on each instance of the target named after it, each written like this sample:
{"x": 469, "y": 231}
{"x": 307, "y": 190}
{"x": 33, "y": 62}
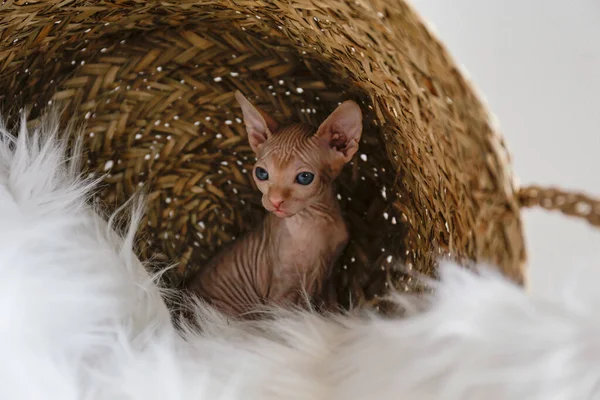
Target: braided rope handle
{"x": 573, "y": 204}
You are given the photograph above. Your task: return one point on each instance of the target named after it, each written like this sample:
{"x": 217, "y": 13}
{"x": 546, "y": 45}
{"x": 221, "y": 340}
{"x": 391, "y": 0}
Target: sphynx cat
{"x": 287, "y": 258}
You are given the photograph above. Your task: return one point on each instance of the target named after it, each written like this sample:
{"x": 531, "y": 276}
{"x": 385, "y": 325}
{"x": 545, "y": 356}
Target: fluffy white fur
{"x": 81, "y": 319}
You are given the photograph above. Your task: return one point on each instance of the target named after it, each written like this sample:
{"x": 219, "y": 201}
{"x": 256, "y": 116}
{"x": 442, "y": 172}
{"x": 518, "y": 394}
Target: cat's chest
{"x": 311, "y": 242}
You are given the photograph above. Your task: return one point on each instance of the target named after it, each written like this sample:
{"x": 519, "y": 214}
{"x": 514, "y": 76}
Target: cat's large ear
{"x": 342, "y": 130}
{"x": 259, "y": 125}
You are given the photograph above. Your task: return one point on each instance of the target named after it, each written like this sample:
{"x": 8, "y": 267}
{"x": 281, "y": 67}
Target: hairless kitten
{"x": 287, "y": 258}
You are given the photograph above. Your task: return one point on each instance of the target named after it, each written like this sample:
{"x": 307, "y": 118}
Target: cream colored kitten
{"x": 291, "y": 253}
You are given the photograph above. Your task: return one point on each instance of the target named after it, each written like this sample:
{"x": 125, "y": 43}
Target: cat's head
{"x": 297, "y": 163}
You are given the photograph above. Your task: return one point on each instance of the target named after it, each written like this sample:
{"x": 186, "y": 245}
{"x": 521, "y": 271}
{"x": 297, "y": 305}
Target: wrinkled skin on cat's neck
{"x": 288, "y": 257}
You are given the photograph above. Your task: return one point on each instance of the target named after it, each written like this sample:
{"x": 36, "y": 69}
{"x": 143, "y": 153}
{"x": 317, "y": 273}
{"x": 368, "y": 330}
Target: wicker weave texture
{"x": 154, "y": 82}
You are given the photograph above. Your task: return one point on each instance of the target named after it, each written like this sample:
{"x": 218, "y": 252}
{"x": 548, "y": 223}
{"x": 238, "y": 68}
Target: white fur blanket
{"x": 81, "y": 319}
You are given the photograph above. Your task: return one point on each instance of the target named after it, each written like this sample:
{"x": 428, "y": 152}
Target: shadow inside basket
{"x": 160, "y": 114}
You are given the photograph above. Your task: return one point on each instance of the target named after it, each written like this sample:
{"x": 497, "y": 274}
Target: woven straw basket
{"x": 155, "y": 81}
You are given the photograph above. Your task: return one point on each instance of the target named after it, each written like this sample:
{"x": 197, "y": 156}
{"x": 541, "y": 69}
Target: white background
{"x": 537, "y": 63}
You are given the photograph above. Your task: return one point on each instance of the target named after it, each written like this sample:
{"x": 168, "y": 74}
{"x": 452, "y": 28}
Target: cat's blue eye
{"x": 261, "y": 174}
{"x": 305, "y": 178}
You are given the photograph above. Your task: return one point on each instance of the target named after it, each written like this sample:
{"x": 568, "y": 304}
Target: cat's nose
{"x": 277, "y": 203}
{"x": 276, "y": 197}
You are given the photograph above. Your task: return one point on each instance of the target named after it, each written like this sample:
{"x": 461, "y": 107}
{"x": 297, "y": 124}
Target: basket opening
{"x": 160, "y": 113}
